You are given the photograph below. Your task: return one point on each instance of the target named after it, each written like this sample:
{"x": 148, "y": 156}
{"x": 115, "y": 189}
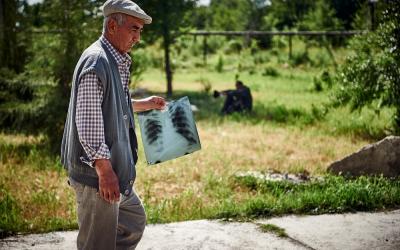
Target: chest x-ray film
{"x": 169, "y": 133}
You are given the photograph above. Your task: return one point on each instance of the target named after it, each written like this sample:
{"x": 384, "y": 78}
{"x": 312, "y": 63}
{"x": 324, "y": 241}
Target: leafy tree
{"x": 78, "y": 23}
{"x": 67, "y": 27}
{"x": 198, "y": 17}
{"x": 283, "y": 14}
{"x": 230, "y": 14}
{"x": 168, "y": 19}
{"x": 372, "y": 74}
{"x": 346, "y": 10}
{"x": 320, "y": 17}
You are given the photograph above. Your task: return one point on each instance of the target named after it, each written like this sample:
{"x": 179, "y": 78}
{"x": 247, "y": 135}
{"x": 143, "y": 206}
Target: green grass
{"x": 249, "y": 198}
{"x": 333, "y": 194}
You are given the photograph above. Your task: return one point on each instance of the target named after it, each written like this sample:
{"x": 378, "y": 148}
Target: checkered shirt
{"x": 89, "y": 117}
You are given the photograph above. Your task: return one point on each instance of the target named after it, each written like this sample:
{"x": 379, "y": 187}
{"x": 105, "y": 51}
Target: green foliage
{"x": 270, "y": 71}
{"x": 140, "y": 63}
{"x": 220, "y": 64}
{"x": 324, "y": 80}
{"x": 372, "y": 75}
{"x": 299, "y": 58}
{"x": 33, "y": 107}
{"x": 317, "y": 84}
{"x": 320, "y": 17}
{"x": 234, "y": 46}
{"x": 233, "y": 18}
{"x": 13, "y": 89}
{"x": 285, "y": 14}
{"x": 19, "y": 103}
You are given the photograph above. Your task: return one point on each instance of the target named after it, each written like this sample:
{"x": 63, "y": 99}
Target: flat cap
{"x": 127, "y": 7}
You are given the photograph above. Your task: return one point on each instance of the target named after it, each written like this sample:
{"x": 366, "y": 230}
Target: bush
{"x": 260, "y": 58}
{"x": 220, "y": 64}
{"x": 299, "y": 58}
{"x": 317, "y": 84}
{"x": 324, "y": 79}
{"x": 372, "y": 74}
{"x": 234, "y": 46}
{"x": 270, "y": 71}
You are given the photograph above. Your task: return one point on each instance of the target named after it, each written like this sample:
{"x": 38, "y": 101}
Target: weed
{"x": 220, "y": 64}
{"x": 271, "y": 228}
{"x": 10, "y": 214}
{"x": 206, "y": 84}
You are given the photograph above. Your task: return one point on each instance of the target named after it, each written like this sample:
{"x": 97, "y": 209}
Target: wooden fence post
{"x": 290, "y": 47}
{"x": 205, "y": 50}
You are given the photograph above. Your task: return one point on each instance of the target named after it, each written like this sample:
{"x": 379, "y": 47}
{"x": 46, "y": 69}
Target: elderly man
{"x": 99, "y": 147}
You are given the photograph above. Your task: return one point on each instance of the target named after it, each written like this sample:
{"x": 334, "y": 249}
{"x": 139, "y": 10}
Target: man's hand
{"x": 108, "y": 181}
{"x": 152, "y": 102}
{"x": 156, "y": 102}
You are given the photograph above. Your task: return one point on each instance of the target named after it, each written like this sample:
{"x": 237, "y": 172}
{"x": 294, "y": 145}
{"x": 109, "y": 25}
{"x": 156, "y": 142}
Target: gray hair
{"x": 120, "y": 18}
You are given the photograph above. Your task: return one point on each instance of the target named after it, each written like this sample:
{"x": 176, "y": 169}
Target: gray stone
{"x": 379, "y": 158}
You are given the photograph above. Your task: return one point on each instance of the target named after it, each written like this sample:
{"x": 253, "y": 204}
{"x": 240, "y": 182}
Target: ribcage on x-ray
{"x": 181, "y": 124}
{"x": 169, "y": 133}
{"x": 153, "y": 130}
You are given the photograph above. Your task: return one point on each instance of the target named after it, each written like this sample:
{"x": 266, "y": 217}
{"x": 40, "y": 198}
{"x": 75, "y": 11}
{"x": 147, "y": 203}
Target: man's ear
{"x": 111, "y": 26}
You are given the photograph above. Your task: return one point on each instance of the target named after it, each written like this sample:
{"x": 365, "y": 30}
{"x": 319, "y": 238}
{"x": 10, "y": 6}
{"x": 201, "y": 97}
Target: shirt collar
{"x": 122, "y": 59}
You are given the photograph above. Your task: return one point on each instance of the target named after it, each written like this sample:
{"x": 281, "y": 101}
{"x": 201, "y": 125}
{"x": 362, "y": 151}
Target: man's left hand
{"x": 156, "y": 102}
{"x": 149, "y": 103}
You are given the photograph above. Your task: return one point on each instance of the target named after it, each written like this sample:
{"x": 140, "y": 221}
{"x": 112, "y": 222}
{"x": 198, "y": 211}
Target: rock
{"x": 379, "y": 158}
{"x": 274, "y": 176}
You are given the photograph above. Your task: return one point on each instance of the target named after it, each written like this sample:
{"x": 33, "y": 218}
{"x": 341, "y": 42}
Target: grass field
{"x": 289, "y": 131}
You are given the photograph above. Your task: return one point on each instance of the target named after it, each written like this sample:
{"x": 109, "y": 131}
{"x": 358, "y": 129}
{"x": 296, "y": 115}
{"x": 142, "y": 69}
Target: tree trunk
{"x": 168, "y": 71}
{"x": 8, "y": 36}
{"x": 2, "y": 47}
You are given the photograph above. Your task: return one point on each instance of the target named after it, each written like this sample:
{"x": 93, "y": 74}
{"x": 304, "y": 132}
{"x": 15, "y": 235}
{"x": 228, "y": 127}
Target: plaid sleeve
{"x": 89, "y": 118}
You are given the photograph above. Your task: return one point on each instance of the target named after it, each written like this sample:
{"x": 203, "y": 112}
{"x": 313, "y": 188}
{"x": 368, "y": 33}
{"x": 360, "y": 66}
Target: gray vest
{"x": 118, "y": 119}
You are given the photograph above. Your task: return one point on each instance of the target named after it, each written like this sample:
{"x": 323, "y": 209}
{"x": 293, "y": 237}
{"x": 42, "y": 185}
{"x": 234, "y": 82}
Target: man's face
{"x": 128, "y": 34}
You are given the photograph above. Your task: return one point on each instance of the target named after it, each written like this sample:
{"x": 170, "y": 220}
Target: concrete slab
{"x": 201, "y": 234}
{"x": 344, "y": 231}
{"x": 210, "y": 235}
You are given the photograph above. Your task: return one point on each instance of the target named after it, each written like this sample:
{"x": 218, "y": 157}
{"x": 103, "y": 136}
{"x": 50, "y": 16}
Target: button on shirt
{"x": 89, "y": 117}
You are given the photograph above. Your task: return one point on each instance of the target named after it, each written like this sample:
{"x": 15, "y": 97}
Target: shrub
{"x": 270, "y": 71}
{"x": 317, "y": 84}
{"x": 299, "y": 58}
{"x": 234, "y": 46}
{"x": 372, "y": 74}
{"x": 324, "y": 79}
{"x": 220, "y": 64}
